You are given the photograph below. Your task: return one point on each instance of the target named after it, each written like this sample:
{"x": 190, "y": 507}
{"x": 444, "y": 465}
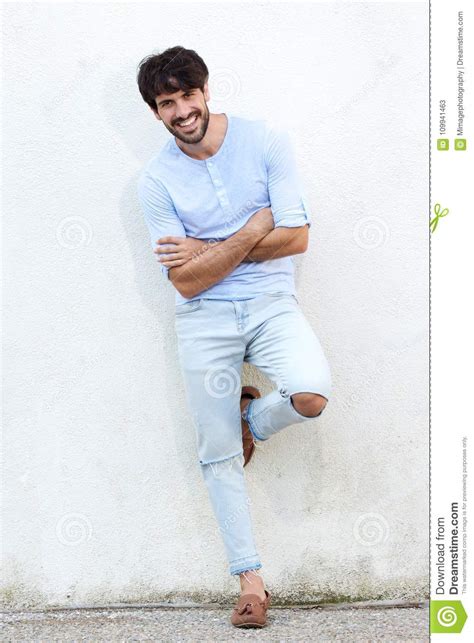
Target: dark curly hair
{"x": 174, "y": 69}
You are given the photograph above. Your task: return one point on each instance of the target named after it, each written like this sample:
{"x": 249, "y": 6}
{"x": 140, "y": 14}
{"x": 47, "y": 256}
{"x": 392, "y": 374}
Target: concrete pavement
{"x": 382, "y": 622}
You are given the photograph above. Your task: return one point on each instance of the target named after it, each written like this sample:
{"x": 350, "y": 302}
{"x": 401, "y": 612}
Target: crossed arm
{"x": 280, "y": 242}
{"x": 196, "y": 264}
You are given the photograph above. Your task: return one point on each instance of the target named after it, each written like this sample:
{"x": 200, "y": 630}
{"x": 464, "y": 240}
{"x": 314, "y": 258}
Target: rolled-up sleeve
{"x": 159, "y": 212}
{"x": 287, "y": 198}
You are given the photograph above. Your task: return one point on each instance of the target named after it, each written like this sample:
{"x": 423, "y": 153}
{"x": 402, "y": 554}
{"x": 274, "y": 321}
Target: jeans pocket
{"x": 277, "y": 295}
{"x": 188, "y": 307}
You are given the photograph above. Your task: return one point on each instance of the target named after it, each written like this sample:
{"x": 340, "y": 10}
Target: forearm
{"x": 216, "y": 262}
{"x": 279, "y": 242}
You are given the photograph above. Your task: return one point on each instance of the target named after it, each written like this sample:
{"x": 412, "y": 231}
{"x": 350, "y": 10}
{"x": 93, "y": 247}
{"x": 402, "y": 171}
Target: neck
{"x": 211, "y": 141}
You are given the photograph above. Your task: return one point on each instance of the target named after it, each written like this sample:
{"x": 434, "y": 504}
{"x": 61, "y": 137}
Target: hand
{"x": 262, "y": 221}
{"x": 176, "y": 251}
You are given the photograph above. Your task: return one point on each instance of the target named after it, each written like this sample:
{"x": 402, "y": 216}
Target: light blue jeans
{"x": 215, "y": 337}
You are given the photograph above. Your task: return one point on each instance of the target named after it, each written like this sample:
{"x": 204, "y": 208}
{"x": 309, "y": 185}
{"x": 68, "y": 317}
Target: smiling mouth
{"x": 189, "y": 122}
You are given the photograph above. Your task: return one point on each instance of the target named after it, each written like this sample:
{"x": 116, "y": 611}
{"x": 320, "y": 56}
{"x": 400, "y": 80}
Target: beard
{"x": 197, "y": 134}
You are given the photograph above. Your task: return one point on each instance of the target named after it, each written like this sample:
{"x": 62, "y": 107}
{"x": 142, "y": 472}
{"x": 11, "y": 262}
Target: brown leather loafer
{"x": 247, "y": 437}
{"x": 250, "y": 611}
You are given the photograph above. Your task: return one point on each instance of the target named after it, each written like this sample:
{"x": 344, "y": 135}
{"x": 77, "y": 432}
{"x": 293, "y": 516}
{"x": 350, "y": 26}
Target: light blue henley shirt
{"x": 213, "y": 198}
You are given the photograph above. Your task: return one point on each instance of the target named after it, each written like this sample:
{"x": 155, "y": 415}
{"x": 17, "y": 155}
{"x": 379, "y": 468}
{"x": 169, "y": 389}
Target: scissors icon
{"x": 438, "y": 214}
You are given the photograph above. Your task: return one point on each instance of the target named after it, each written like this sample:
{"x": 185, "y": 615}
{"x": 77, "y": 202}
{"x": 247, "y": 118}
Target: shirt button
{"x": 210, "y": 163}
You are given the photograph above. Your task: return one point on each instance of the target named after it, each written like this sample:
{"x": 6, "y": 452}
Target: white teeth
{"x": 188, "y": 122}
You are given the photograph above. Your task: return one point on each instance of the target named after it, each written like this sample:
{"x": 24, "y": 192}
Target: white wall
{"x": 103, "y": 496}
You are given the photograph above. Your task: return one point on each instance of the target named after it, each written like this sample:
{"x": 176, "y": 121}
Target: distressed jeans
{"x": 215, "y": 337}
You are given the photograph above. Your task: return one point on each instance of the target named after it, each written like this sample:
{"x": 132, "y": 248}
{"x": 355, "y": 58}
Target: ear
{"x": 206, "y": 93}
{"x": 155, "y": 113}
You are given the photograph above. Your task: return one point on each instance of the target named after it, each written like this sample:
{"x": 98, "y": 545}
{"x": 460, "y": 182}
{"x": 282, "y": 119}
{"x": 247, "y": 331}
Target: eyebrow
{"x": 185, "y": 91}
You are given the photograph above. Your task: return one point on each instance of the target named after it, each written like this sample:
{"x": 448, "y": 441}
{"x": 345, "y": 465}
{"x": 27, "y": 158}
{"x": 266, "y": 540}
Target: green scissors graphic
{"x": 438, "y": 214}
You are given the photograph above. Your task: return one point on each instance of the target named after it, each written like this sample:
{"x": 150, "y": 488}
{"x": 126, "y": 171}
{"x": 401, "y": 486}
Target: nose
{"x": 183, "y": 112}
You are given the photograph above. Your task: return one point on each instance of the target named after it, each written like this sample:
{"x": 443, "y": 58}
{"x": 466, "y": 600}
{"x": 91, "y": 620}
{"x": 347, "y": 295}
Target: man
{"x": 226, "y": 214}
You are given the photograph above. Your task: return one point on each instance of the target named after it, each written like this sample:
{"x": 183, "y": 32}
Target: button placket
{"x": 219, "y": 188}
